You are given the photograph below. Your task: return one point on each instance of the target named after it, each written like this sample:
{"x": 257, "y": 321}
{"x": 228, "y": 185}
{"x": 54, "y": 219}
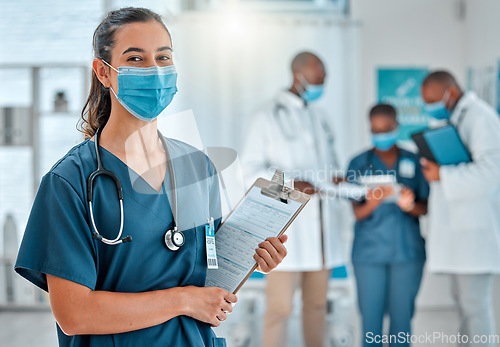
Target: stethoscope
{"x": 278, "y": 107}
{"x": 174, "y": 238}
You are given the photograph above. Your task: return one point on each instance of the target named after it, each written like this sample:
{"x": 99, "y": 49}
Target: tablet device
{"x": 374, "y": 181}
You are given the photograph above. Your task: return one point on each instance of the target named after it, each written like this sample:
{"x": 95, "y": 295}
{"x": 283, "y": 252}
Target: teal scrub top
{"x": 389, "y": 235}
{"x": 58, "y": 237}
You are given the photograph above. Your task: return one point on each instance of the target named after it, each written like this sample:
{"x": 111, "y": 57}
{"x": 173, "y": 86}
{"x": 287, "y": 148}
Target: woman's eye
{"x": 164, "y": 57}
{"x": 134, "y": 59}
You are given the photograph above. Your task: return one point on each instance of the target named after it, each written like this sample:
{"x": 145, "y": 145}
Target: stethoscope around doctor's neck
{"x": 174, "y": 238}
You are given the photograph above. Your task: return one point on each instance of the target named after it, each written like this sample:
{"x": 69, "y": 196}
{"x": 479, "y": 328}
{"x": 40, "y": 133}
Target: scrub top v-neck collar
{"x": 129, "y": 181}
{"x": 139, "y": 194}
{"x": 384, "y": 165}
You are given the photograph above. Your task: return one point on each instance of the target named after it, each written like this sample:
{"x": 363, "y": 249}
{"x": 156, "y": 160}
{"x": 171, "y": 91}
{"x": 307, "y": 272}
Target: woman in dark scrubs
{"x": 388, "y": 251}
{"x": 138, "y": 293}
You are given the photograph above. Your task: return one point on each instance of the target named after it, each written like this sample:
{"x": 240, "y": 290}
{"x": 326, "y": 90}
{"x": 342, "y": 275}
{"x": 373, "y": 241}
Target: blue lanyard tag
{"x": 210, "y": 243}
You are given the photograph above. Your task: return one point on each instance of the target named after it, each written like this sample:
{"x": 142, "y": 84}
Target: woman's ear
{"x": 101, "y": 71}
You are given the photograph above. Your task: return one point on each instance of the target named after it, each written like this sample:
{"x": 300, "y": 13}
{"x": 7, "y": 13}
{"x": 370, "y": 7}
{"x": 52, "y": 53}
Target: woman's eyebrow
{"x": 140, "y": 50}
{"x": 133, "y": 49}
{"x": 164, "y": 48}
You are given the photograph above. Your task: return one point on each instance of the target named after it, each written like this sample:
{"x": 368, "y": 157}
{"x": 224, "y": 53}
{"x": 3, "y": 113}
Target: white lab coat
{"x": 288, "y": 135}
{"x": 464, "y": 206}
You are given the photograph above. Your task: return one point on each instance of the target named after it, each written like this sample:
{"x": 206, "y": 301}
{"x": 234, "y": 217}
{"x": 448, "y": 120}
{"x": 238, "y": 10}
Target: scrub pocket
{"x": 219, "y": 342}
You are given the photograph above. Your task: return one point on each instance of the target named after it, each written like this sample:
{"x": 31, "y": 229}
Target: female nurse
{"x": 143, "y": 292}
{"x": 388, "y": 251}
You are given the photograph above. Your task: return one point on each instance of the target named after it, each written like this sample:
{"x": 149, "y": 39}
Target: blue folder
{"x": 442, "y": 145}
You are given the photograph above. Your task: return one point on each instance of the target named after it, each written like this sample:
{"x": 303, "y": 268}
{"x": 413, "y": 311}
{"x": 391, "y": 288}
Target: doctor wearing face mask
{"x": 293, "y": 134}
{"x": 388, "y": 252}
{"x": 116, "y": 234}
{"x": 464, "y": 203}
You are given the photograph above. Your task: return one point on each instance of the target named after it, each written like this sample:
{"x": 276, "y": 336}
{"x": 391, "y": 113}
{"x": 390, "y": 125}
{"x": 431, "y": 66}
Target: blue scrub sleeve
{"x": 57, "y": 240}
{"x": 352, "y": 174}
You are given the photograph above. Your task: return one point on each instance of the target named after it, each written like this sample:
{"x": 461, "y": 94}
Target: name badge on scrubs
{"x": 210, "y": 241}
{"x": 406, "y": 168}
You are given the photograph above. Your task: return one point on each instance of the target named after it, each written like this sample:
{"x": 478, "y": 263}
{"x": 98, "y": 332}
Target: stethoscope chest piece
{"x": 174, "y": 239}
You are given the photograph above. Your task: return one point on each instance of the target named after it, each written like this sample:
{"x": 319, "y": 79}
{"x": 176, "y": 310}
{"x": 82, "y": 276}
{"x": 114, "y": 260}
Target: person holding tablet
{"x": 388, "y": 252}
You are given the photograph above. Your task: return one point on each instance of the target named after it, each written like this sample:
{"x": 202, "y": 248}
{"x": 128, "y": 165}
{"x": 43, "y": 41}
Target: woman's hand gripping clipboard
{"x": 267, "y": 209}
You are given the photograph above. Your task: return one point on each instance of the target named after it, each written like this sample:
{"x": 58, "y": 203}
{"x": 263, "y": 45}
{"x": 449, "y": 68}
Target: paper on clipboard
{"x": 254, "y": 219}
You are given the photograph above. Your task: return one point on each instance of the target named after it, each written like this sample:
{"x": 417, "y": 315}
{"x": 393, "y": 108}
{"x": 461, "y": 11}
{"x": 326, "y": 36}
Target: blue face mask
{"x": 438, "y": 110}
{"x": 311, "y": 92}
{"x": 145, "y": 91}
{"x": 385, "y": 141}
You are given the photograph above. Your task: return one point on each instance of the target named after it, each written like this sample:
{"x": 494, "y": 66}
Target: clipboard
{"x": 267, "y": 209}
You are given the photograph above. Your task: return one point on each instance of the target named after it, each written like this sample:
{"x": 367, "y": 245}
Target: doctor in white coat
{"x": 464, "y": 205}
{"x": 291, "y": 134}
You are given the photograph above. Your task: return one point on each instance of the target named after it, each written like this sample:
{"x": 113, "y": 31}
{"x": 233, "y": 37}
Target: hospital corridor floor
{"x": 21, "y": 329}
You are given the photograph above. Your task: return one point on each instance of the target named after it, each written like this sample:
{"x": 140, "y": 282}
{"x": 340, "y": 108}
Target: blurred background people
{"x": 291, "y": 134}
{"x": 464, "y": 204}
{"x": 388, "y": 252}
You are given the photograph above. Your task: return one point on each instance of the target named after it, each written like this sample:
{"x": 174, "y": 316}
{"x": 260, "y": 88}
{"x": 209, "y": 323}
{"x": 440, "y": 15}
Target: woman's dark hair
{"x": 383, "y": 109}
{"x": 97, "y": 109}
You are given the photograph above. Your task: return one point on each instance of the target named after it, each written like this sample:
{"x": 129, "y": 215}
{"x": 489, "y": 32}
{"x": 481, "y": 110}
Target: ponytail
{"x": 95, "y": 113}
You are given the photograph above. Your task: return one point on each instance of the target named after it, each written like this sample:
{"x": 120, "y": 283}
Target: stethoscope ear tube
{"x": 93, "y": 175}
{"x": 96, "y": 235}
{"x": 173, "y": 238}
{"x": 90, "y": 184}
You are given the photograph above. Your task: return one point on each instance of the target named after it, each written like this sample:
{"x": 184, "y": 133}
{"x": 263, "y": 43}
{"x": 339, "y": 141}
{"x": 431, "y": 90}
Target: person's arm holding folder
{"x": 474, "y": 178}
